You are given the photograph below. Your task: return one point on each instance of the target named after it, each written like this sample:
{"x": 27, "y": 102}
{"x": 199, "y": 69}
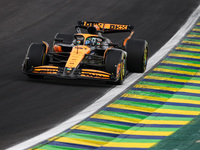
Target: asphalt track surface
{"x": 29, "y": 107}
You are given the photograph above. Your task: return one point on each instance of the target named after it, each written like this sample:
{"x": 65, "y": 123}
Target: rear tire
{"x": 36, "y": 57}
{"x": 137, "y": 55}
{"x": 113, "y": 58}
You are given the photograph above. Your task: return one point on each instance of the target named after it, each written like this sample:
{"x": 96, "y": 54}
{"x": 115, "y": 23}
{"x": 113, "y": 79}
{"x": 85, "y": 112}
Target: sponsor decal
{"x": 88, "y": 24}
{"x": 106, "y": 26}
{"x": 118, "y": 27}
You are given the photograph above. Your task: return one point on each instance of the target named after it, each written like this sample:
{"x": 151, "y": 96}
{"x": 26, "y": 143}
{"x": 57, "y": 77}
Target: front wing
{"x": 72, "y": 73}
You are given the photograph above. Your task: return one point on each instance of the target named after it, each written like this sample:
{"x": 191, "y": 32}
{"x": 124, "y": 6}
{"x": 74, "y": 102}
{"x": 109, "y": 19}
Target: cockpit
{"x": 93, "y": 41}
{"x": 89, "y": 41}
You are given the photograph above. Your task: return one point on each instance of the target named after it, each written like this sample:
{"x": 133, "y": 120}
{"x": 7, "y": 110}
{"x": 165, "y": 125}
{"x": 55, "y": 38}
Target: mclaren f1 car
{"x": 88, "y": 55}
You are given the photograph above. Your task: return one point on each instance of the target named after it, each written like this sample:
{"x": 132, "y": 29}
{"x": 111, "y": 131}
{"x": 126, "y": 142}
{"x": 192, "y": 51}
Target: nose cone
{"x": 76, "y": 56}
{"x": 69, "y": 71}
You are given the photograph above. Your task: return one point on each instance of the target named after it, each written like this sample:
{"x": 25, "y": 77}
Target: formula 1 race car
{"x": 88, "y": 55}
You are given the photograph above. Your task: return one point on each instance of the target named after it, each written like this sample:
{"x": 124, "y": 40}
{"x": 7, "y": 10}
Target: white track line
{"x": 113, "y": 92}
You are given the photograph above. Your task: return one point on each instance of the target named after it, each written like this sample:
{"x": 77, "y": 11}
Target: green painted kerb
{"x": 161, "y": 112}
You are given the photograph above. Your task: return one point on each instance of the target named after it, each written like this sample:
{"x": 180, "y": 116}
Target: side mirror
{"x": 58, "y": 39}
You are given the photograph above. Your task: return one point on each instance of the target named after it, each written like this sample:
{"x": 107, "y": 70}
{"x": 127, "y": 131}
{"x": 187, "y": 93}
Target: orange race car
{"x": 88, "y": 55}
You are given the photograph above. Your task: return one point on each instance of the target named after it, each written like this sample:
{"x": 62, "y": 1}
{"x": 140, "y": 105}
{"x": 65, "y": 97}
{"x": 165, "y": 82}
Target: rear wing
{"x": 94, "y": 26}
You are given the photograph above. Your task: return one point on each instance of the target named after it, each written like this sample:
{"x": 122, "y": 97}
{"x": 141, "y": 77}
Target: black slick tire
{"x": 112, "y": 60}
{"x": 36, "y": 57}
{"x": 137, "y": 55}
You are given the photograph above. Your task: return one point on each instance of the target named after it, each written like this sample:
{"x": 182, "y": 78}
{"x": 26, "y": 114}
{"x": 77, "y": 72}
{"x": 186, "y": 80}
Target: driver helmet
{"x": 87, "y": 42}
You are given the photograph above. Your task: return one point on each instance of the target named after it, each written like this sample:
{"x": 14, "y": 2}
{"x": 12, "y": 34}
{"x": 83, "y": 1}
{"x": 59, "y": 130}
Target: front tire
{"x": 137, "y": 55}
{"x": 115, "y": 63}
{"x": 36, "y": 56}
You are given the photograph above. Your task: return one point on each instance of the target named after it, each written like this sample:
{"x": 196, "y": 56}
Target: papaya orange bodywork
{"x": 96, "y": 71}
{"x": 46, "y": 69}
{"x": 124, "y": 43}
{"x": 95, "y": 74}
{"x": 76, "y": 56}
{"x": 85, "y": 35}
{"x": 47, "y": 46}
